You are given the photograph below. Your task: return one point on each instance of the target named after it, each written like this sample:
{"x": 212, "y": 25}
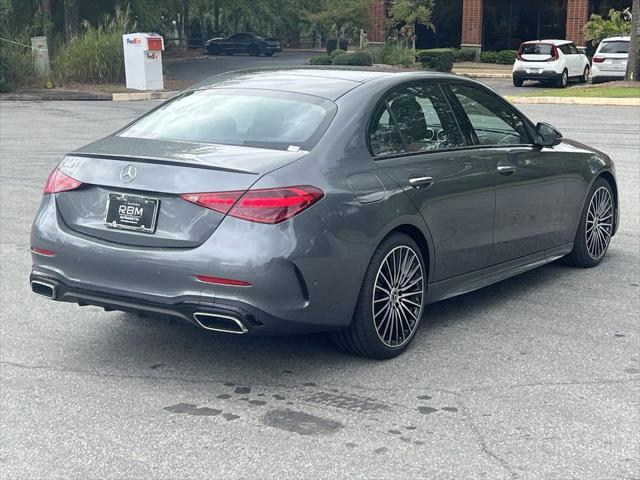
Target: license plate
{"x": 533, "y": 70}
{"x": 617, "y": 60}
{"x": 130, "y": 212}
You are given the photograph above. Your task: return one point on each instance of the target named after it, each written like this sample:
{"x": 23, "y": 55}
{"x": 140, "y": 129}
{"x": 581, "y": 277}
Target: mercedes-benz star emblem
{"x": 128, "y": 173}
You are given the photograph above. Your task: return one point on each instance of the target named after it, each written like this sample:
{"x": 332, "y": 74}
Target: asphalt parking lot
{"x": 536, "y": 377}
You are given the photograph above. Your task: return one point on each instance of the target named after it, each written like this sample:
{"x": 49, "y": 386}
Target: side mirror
{"x": 547, "y": 135}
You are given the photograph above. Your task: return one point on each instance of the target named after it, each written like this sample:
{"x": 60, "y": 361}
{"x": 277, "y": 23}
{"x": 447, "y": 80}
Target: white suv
{"x": 550, "y": 61}
{"x": 610, "y": 60}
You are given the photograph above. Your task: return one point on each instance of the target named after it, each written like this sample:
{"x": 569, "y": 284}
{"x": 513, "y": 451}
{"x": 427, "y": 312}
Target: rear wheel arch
{"x": 418, "y": 236}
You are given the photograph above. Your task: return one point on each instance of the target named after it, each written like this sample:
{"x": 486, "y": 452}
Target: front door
{"x": 529, "y": 181}
{"x": 417, "y": 141}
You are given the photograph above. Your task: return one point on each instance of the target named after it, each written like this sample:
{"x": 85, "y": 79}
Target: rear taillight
{"x": 554, "y": 54}
{"x": 222, "y": 281}
{"x": 268, "y": 205}
{"x": 42, "y": 251}
{"x": 59, "y": 182}
{"x": 597, "y": 59}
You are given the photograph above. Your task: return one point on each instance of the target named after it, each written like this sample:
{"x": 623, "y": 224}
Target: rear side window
{"x": 536, "y": 49}
{"x": 420, "y": 118}
{"x": 253, "y": 118}
{"x": 614, "y": 47}
{"x": 493, "y": 122}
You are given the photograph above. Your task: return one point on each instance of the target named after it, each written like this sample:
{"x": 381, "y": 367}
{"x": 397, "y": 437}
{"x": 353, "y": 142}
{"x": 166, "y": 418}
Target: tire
{"x": 398, "y": 313}
{"x": 268, "y": 54}
{"x": 563, "y": 81}
{"x": 254, "y": 50}
{"x": 228, "y": 53}
{"x": 517, "y": 82}
{"x": 584, "y": 78}
{"x": 598, "y": 214}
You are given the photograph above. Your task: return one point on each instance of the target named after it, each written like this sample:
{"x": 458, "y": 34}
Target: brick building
{"x": 498, "y": 24}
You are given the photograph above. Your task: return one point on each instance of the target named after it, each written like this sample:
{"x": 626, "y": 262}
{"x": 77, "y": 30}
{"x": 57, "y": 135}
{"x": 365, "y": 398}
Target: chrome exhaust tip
{"x": 217, "y": 322}
{"x": 44, "y": 289}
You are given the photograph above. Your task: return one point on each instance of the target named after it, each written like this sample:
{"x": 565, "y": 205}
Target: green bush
{"x": 465, "y": 55}
{"x": 506, "y": 57}
{"x": 488, "y": 57}
{"x": 337, "y": 52}
{"x": 393, "y": 52}
{"x": 361, "y": 58}
{"x": 16, "y": 65}
{"x": 96, "y": 54}
{"x": 332, "y": 44}
{"x": 320, "y": 60}
{"x": 437, "y": 59}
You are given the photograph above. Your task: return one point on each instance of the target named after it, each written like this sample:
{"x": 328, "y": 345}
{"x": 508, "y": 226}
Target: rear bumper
{"x": 597, "y": 77}
{"x": 545, "y": 75}
{"x": 249, "y": 319}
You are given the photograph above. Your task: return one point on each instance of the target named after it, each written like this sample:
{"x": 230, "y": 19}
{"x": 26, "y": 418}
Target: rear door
{"x": 416, "y": 139}
{"x": 529, "y": 181}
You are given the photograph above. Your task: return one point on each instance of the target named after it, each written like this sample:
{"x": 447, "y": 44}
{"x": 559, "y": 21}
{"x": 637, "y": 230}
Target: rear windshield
{"x": 536, "y": 49}
{"x": 253, "y": 118}
{"x": 614, "y": 47}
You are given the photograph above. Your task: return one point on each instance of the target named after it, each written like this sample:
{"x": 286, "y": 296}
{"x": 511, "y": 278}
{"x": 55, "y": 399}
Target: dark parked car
{"x": 244, "y": 42}
{"x": 307, "y": 200}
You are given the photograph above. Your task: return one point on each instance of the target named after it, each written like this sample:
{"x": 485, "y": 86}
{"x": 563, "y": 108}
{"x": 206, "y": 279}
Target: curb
{"x": 140, "y": 96}
{"x": 482, "y": 74}
{"x": 56, "y": 96}
{"x": 601, "y": 101}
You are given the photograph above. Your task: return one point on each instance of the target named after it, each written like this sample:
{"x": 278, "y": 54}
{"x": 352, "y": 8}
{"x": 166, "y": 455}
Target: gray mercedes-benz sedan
{"x": 312, "y": 200}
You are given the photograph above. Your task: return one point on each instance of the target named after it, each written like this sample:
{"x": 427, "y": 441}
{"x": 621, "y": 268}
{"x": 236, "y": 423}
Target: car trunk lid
{"x": 132, "y": 172}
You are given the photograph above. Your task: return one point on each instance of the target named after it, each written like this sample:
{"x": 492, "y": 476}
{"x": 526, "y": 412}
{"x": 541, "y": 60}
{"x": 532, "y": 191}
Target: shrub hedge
{"x": 437, "y": 59}
{"x": 488, "y": 57}
{"x": 361, "y": 58}
{"x": 320, "y": 60}
{"x": 465, "y": 55}
{"x": 506, "y": 57}
{"x": 336, "y": 52}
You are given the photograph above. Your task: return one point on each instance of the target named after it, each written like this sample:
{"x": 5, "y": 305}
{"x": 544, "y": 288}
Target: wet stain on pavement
{"x": 424, "y": 397}
{"x": 381, "y": 450}
{"x": 348, "y": 402}
{"x": 427, "y": 410}
{"x": 230, "y": 416}
{"x": 350, "y": 445}
{"x": 394, "y": 432}
{"x": 224, "y": 396}
{"x": 449, "y": 409}
{"x": 242, "y": 390}
{"x": 155, "y": 366}
{"x": 191, "y": 409}
{"x": 279, "y": 397}
{"x": 257, "y": 402}
{"x": 631, "y": 370}
{"x": 300, "y": 422}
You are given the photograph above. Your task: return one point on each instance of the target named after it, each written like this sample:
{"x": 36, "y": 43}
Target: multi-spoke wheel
{"x": 397, "y": 296}
{"x": 596, "y": 226}
{"x": 390, "y": 303}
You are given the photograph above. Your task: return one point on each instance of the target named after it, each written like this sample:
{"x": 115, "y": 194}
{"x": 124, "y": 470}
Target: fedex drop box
{"x": 143, "y": 60}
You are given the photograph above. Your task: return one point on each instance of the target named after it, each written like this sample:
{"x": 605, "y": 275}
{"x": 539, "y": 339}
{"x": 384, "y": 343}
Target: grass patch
{"x": 594, "y": 92}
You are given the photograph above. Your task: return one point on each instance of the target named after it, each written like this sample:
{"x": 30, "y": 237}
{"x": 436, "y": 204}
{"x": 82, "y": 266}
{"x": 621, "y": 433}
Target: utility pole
{"x": 633, "y": 63}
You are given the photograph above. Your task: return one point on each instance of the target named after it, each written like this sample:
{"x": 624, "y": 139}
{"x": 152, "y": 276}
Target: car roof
{"x": 553, "y": 42}
{"x": 327, "y": 82}
{"x": 624, "y": 38}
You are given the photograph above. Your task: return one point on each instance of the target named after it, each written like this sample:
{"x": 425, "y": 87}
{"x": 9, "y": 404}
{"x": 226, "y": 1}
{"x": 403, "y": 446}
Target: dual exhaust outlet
{"x": 215, "y": 322}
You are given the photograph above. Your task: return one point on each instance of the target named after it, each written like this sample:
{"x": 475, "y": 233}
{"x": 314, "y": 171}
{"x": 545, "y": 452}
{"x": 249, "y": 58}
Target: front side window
{"x": 253, "y": 118}
{"x": 493, "y": 122}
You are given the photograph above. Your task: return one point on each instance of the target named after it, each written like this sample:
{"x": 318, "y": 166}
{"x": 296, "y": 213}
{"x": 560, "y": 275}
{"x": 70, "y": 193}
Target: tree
{"x": 406, "y": 14}
{"x": 598, "y": 28}
{"x": 341, "y": 14}
{"x": 633, "y": 64}
{"x": 71, "y": 20}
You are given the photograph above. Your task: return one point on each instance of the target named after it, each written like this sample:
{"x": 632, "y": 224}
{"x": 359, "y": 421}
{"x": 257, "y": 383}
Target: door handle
{"x": 506, "y": 169}
{"x": 419, "y": 182}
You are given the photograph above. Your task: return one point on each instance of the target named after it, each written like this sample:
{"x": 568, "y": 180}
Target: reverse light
{"x": 60, "y": 182}
{"x": 222, "y": 281}
{"x": 267, "y": 205}
{"x": 598, "y": 59}
{"x": 42, "y": 251}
